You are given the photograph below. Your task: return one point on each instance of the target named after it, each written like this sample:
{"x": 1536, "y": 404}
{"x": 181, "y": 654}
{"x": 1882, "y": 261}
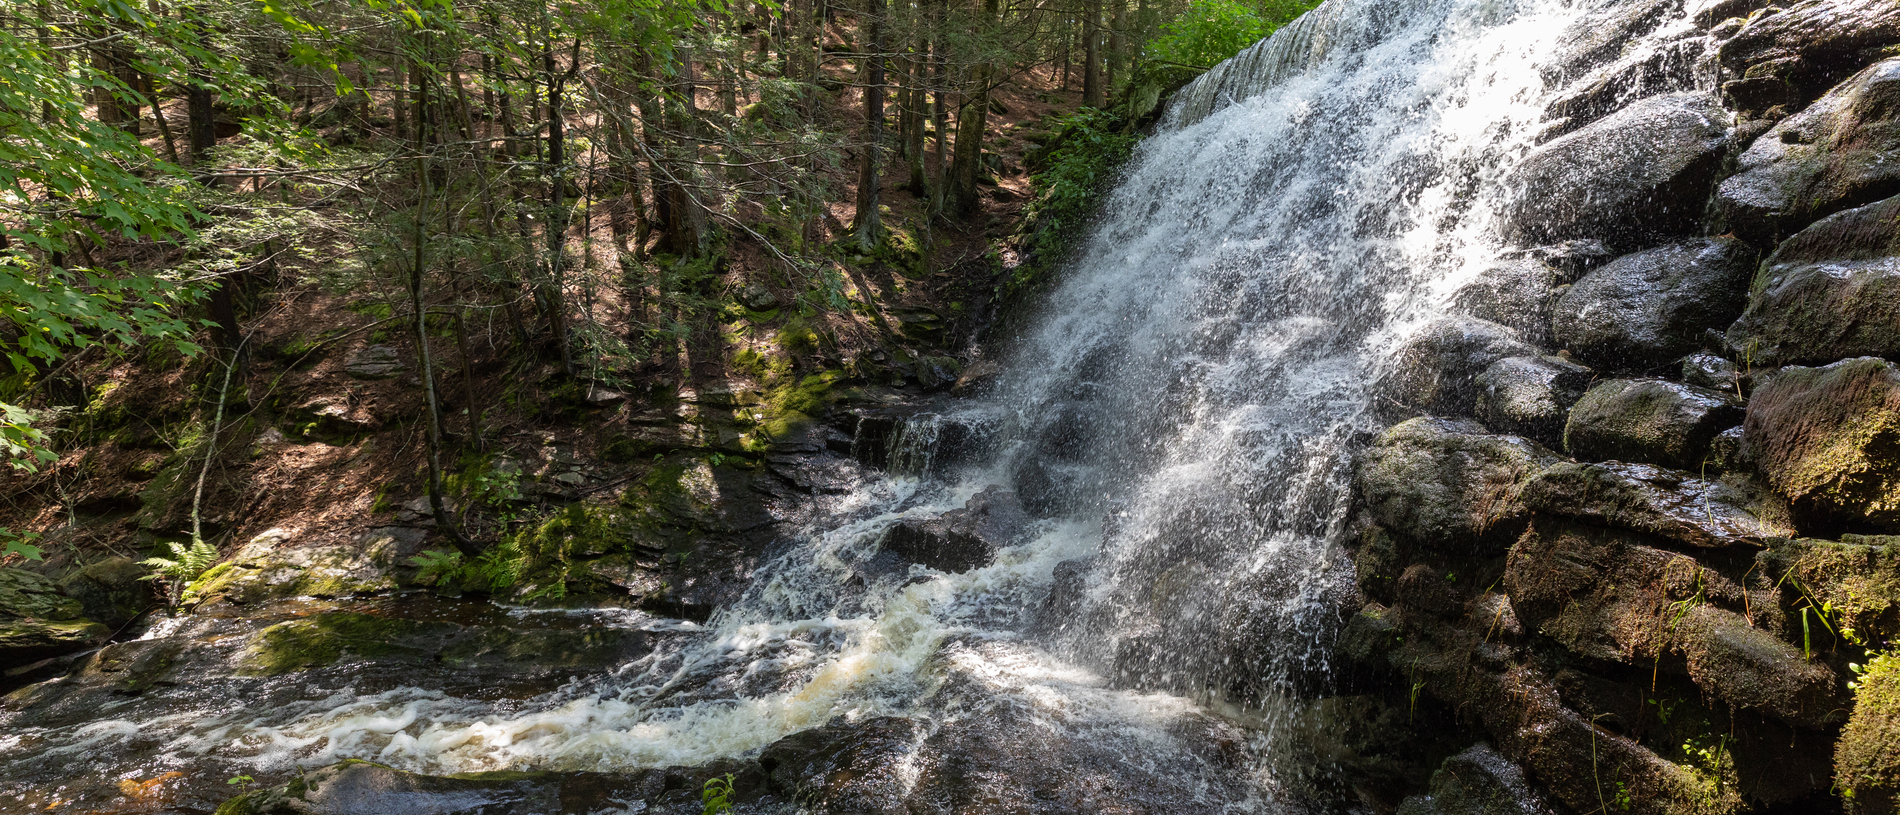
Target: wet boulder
{"x": 1706, "y": 370}
{"x": 1651, "y": 421}
{"x": 1789, "y": 57}
{"x": 1632, "y": 178}
{"x": 1603, "y": 32}
{"x": 1478, "y": 781}
{"x": 1515, "y": 293}
{"x": 962, "y": 539}
{"x": 1050, "y": 488}
{"x": 1449, "y": 484}
{"x": 1668, "y": 503}
{"x": 1646, "y": 309}
{"x": 1867, "y": 758}
{"x": 1530, "y": 396}
{"x": 356, "y": 787}
{"x": 1829, "y": 440}
{"x": 1830, "y": 292}
{"x": 846, "y": 766}
{"x": 1434, "y": 371}
{"x": 1842, "y": 152}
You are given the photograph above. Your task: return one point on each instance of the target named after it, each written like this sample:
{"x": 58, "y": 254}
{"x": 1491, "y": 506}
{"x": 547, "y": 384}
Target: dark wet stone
{"x": 1842, "y": 152}
{"x": 1646, "y": 309}
{"x": 1436, "y": 370}
{"x": 1480, "y": 781}
{"x": 1650, "y": 421}
{"x": 1601, "y": 34}
{"x": 1808, "y": 46}
{"x": 962, "y": 539}
{"x": 1829, "y": 440}
{"x": 1046, "y": 488}
{"x": 1068, "y": 588}
{"x": 1630, "y": 179}
{"x": 1515, "y": 294}
{"x": 1705, "y": 370}
{"x": 1530, "y": 396}
{"x": 1668, "y": 503}
{"x": 1828, "y": 293}
{"x": 1449, "y": 484}
{"x": 845, "y": 766}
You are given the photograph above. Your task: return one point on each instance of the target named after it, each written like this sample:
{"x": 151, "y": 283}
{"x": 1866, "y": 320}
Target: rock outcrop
{"x": 1645, "y": 310}
{"x": 1829, "y": 293}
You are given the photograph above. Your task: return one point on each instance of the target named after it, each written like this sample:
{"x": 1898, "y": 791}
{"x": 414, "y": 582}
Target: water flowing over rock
{"x": 1449, "y": 483}
{"x": 1841, "y": 152}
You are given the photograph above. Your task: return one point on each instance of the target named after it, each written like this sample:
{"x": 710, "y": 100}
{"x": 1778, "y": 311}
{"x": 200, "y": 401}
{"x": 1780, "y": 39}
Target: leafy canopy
{"x": 1210, "y": 31}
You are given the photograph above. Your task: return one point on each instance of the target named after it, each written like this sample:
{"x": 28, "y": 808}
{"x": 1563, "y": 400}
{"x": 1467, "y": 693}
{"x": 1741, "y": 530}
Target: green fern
{"x": 436, "y": 567}
{"x": 185, "y": 565}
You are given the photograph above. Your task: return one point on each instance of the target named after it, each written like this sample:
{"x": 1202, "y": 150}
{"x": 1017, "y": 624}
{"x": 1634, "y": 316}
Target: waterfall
{"x": 1183, "y": 413}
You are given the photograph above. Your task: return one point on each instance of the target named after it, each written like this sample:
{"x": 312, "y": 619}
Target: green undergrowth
{"x": 1083, "y": 159}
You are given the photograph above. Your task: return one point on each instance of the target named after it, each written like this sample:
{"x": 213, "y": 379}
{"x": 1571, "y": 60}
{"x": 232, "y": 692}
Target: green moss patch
{"x": 325, "y": 639}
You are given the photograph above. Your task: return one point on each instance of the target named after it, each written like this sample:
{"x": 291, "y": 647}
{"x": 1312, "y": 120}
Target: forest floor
{"x": 322, "y": 433}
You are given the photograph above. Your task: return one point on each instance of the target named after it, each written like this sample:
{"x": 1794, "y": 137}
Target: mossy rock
{"x": 1858, "y": 578}
{"x": 1829, "y": 439}
{"x": 266, "y": 570}
{"x": 1867, "y": 757}
{"x": 1449, "y": 484}
{"x": 325, "y": 639}
{"x": 112, "y": 591}
{"x": 1650, "y": 421}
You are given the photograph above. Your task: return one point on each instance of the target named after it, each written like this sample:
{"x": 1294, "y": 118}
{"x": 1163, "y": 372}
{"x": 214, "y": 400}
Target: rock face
{"x": 1842, "y": 152}
{"x": 1448, "y": 483}
{"x": 375, "y": 362}
{"x": 1635, "y": 177}
{"x": 1789, "y": 57}
{"x": 1650, "y": 421}
{"x": 1828, "y": 293}
{"x": 1530, "y": 396}
{"x": 1436, "y": 369}
{"x": 1829, "y": 439}
{"x": 1645, "y": 310}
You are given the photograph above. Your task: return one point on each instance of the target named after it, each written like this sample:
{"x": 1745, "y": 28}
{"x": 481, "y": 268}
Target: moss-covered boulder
{"x": 1857, "y": 579}
{"x": 113, "y": 590}
{"x": 1829, "y": 440}
{"x": 1515, "y": 293}
{"x": 1831, "y": 292}
{"x": 270, "y": 567}
{"x": 1867, "y": 758}
{"x": 1449, "y": 484}
{"x": 1643, "y": 310}
{"x": 1650, "y": 421}
{"x": 324, "y": 639}
{"x": 38, "y": 621}
{"x": 1668, "y": 503}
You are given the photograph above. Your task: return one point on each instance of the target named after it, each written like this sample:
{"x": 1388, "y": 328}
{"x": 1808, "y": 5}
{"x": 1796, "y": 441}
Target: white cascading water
{"x": 1190, "y": 401}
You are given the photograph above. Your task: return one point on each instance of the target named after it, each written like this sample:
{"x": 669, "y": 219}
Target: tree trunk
{"x": 1092, "y": 53}
{"x": 1117, "y": 46}
{"x": 866, "y": 224}
{"x": 554, "y": 291}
